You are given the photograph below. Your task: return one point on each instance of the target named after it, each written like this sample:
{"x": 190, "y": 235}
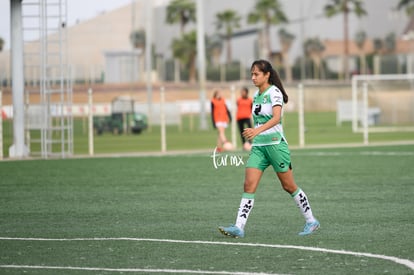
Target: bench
{"x": 344, "y": 113}
{"x": 171, "y": 110}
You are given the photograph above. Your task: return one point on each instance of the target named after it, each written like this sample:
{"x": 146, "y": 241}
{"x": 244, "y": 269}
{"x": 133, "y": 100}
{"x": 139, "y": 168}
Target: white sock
{"x": 246, "y": 206}
{"x": 302, "y": 202}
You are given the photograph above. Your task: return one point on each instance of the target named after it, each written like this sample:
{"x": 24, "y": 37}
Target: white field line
{"x": 405, "y": 262}
{"x": 208, "y": 152}
{"x": 363, "y": 153}
{"x": 179, "y": 271}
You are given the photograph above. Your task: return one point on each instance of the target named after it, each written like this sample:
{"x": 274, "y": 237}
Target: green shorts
{"x": 277, "y": 155}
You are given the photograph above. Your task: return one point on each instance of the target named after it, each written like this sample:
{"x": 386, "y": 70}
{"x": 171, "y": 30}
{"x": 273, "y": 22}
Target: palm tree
{"x": 381, "y": 48}
{"x": 378, "y": 50}
{"x": 185, "y": 49}
{"x": 360, "y": 39}
{"x": 378, "y": 45}
{"x": 214, "y": 48}
{"x": 343, "y": 6}
{"x": 390, "y": 43}
{"x": 270, "y": 13}
{"x": 314, "y": 49}
{"x": 408, "y": 5}
{"x": 182, "y": 12}
{"x": 137, "y": 39}
{"x": 229, "y": 20}
{"x": 286, "y": 40}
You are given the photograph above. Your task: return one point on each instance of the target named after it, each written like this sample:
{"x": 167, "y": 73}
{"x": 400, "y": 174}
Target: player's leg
{"x": 248, "y": 123}
{"x": 289, "y": 185}
{"x": 301, "y": 200}
{"x": 281, "y": 163}
{"x": 219, "y": 145}
{"x": 252, "y": 179}
{"x": 256, "y": 164}
{"x": 222, "y": 134}
{"x": 240, "y": 124}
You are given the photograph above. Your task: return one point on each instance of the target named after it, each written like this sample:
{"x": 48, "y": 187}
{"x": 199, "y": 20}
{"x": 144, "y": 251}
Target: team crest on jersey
{"x": 265, "y": 98}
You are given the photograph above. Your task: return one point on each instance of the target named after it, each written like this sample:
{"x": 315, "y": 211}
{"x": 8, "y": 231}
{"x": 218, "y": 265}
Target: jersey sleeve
{"x": 276, "y": 97}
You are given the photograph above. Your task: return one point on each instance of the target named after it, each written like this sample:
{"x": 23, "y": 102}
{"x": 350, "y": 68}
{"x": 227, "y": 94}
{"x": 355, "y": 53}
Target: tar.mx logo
{"x": 223, "y": 160}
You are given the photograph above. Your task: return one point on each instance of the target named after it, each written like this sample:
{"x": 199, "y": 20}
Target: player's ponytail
{"x": 274, "y": 79}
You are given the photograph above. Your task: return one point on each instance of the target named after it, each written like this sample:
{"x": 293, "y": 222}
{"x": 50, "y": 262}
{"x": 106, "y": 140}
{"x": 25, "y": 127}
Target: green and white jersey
{"x": 262, "y": 112}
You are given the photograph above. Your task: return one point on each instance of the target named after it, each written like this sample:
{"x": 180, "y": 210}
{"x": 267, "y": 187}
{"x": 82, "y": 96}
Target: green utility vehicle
{"x": 118, "y": 123}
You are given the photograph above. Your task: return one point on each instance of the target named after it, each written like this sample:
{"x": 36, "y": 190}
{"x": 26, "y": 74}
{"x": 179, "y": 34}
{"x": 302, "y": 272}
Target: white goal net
{"x": 382, "y": 103}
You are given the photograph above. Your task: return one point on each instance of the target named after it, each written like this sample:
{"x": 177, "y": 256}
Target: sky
{"x": 77, "y": 10}
{"x": 379, "y": 21}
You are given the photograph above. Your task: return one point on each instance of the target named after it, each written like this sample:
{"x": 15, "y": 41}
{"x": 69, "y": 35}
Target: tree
{"x": 407, "y": 5}
{"x": 313, "y": 48}
{"x": 381, "y": 48}
{"x": 182, "y": 12}
{"x": 1, "y": 44}
{"x": 228, "y": 20}
{"x": 345, "y": 7}
{"x": 185, "y": 49}
{"x": 377, "y": 45}
{"x": 386, "y": 45}
{"x": 137, "y": 39}
{"x": 378, "y": 51}
{"x": 360, "y": 39}
{"x": 390, "y": 43}
{"x": 270, "y": 13}
{"x": 214, "y": 48}
{"x": 286, "y": 40}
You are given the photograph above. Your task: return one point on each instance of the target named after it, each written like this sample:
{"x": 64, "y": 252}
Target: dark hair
{"x": 245, "y": 89}
{"x": 215, "y": 94}
{"x": 274, "y": 79}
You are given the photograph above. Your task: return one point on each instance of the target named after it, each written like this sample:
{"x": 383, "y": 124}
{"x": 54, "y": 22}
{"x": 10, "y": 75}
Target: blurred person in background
{"x": 243, "y": 116}
{"x": 221, "y": 118}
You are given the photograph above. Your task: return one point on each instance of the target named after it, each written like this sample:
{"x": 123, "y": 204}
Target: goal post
{"x": 382, "y": 103}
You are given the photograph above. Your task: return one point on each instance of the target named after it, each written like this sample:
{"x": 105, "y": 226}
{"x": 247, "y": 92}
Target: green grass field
{"x": 320, "y": 129}
{"x": 362, "y": 196}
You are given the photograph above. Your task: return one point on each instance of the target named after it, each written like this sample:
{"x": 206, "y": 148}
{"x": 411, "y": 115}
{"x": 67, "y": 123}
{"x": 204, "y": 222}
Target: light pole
{"x": 148, "y": 56}
{"x": 201, "y": 56}
{"x": 17, "y": 150}
{"x": 302, "y": 38}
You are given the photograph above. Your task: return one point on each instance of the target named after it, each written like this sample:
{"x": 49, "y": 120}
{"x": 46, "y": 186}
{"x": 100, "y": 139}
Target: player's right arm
{"x": 212, "y": 115}
{"x": 250, "y": 133}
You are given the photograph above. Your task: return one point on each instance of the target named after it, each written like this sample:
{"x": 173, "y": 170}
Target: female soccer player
{"x": 221, "y": 117}
{"x": 269, "y": 148}
{"x": 244, "y": 112}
